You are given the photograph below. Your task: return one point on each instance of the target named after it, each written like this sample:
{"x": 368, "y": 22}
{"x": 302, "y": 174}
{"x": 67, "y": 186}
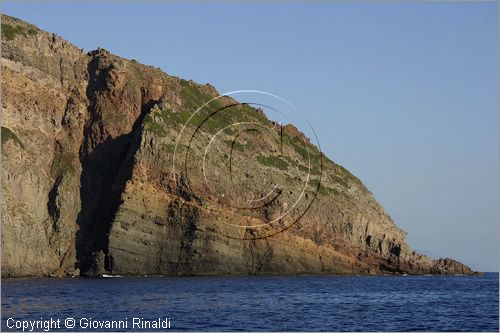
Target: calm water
{"x": 301, "y": 303}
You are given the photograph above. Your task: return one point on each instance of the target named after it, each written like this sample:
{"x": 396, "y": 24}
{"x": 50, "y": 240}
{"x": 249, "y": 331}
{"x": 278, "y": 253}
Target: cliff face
{"x": 97, "y": 177}
{"x": 44, "y": 109}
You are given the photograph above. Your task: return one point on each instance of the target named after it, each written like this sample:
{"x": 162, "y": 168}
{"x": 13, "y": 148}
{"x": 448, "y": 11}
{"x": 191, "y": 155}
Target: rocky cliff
{"x": 110, "y": 167}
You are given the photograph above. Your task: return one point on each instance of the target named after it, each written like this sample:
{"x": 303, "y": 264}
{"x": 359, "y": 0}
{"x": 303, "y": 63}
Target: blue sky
{"x": 405, "y": 95}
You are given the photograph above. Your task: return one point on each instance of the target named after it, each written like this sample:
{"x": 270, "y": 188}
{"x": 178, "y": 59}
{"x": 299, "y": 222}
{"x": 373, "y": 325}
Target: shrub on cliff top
{"x": 9, "y": 31}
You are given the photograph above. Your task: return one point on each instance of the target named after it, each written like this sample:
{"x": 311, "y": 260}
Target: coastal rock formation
{"x": 97, "y": 178}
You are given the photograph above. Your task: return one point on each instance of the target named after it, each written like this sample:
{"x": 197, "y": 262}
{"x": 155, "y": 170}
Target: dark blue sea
{"x": 270, "y": 303}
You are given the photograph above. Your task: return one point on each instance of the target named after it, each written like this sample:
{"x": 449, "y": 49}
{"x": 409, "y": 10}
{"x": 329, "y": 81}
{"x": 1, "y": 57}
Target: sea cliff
{"x": 88, "y": 145}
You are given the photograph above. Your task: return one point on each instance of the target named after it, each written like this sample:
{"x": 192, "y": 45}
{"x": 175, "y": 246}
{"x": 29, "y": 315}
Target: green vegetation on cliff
{"x": 273, "y": 161}
{"x": 9, "y": 31}
{"x": 62, "y": 163}
{"x": 7, "y": 135}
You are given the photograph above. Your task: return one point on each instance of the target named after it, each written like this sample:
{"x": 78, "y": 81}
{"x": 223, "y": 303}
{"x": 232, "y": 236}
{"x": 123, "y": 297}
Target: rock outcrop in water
{"x": 88, "y": 142}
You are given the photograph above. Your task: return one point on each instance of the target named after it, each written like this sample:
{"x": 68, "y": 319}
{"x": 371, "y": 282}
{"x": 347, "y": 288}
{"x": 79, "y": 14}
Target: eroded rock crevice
{"x": 52, "y": 206}
{"x": 107, "y": 162}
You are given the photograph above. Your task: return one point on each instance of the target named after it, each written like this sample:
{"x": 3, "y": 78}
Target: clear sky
{"x": 405, "y": 95}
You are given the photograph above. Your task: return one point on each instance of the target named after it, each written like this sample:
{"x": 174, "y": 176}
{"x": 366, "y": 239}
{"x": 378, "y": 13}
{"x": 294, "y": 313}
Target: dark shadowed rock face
{"x": 89, "y": 182}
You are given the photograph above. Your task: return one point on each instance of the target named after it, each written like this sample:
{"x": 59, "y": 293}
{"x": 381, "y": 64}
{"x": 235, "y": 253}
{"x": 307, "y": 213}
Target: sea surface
{"x": 271, "y": 303}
